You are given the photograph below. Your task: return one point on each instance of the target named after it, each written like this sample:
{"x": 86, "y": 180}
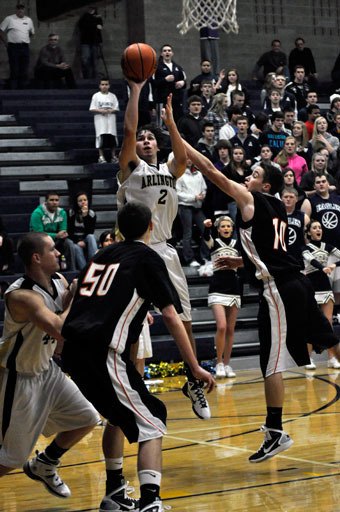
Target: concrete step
{"x": 43, "y": 186}
{"x": 59, "y": 115}
{"x": 85, "y": 89}
{"x": 49, "y": 129}
{"x": 6, "y": 131}
{"x": 24, "y": 143}
{"x": 55, "y": 115}
{"x": 99, "y": 202}
{"x": 33, "y": 156}
{"x": 106, "y": 219}
{"x": 203, "y": 319}
{"x": 245, "y": 342}
{"x": 35, "y": 171}
{"x": 77, "y": 140}
{"x": 7, "y": 119}
{"x": 45, "y": 105}
{"x": 11, "y": 204}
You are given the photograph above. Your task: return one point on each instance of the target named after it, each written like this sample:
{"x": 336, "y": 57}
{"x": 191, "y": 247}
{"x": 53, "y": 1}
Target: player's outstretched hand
{"x": 207, "y": 378}
{"x": 135, "y": 85}
{"x": 167, "y": 114}
{"x": 231, "y": 262}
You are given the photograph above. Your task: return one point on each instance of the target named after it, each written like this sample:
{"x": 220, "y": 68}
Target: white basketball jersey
{"x": 156, "y": 188}
{"x": 24, "y": 347}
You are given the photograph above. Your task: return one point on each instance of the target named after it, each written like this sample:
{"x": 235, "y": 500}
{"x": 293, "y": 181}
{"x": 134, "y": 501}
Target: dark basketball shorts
{"x": 116, "y": 389}
{"x": 288, "y": 319}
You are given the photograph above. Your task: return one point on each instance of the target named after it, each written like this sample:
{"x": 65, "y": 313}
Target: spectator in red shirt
{"x": 313, "y": 111}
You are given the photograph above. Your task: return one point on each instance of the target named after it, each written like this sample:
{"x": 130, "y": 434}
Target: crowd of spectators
{"x": 285, "y": 126}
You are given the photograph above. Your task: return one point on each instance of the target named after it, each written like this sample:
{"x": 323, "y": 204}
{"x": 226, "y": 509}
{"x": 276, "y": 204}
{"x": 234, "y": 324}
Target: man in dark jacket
{"x": 51, "y": 66}
{"x": 190, "y": 125}
{"x": 90, "y": 27}
{"x": 271, "y": 61}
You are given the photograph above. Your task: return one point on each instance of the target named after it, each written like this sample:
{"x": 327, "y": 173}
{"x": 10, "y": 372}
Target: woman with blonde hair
{"x": 224, "y": 291}
{"x": 322, "y": 139}
{"x": 217, "y": 113}
{"x": 300, "y": 134}
{"x": 288, "y": 157}
{"x": 318, "y": 168}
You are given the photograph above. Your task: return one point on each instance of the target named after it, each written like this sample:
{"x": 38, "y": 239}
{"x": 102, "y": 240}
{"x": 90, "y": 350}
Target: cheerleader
{"x": 317, "y": 269}
{"x": 224, "y": 292}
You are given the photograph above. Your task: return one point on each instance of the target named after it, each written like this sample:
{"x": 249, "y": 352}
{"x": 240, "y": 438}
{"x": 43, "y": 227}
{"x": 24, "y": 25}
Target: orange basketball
{"x": 138, "y": 62}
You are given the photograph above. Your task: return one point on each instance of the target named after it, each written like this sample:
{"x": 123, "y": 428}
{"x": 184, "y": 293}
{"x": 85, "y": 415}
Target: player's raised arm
{"x": 178, "y": 164}
{"x": 128, "y": 152}
{"x": 239, "y": 192}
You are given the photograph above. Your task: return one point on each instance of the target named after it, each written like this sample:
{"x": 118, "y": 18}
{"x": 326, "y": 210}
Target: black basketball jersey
{"x": 327, "y": 212}
{"x": 264, "y": 239}
{"x": 114, "y": 294}
{"x": 296, "y": 238}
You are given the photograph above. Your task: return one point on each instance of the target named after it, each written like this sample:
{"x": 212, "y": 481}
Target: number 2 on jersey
{"x": 162, "y": 199}
{"x": 280, "y": 231}
{"x": 98, "y": 278}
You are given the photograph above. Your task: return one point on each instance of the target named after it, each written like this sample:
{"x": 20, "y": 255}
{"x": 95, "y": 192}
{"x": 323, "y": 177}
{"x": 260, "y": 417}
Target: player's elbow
{"x": 169, "y": 314}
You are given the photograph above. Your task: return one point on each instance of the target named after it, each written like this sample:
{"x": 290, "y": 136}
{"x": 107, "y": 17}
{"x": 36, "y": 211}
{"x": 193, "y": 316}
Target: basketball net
{"x": 209, "y": 13}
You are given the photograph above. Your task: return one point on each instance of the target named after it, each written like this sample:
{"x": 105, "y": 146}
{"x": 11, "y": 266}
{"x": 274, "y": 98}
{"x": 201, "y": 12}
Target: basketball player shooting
{"x": 288, "y": 315}
{"x": 142, "y": 179}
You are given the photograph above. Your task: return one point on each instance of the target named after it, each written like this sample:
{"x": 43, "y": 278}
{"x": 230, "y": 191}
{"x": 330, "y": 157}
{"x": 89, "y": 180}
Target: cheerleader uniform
{"x": 316, "y": 256}
{"x": 224, "y": 286}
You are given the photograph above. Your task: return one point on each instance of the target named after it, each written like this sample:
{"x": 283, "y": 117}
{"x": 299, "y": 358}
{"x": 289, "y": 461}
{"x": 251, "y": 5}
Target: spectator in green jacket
{"x": 51, "y": 219}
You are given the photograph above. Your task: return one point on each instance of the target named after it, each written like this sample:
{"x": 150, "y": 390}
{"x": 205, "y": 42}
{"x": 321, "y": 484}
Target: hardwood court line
{"x": 249, "y": 487}
{"x": 213, "y": 427}
{"x": 247, "y": 450}
{"x": 231, "y": 490}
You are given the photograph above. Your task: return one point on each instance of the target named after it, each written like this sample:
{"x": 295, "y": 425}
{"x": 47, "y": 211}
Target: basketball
{"x": 138, "y": 62}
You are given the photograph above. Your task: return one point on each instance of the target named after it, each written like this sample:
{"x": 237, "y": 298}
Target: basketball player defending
{"x": 114, "y": 294}
{"x": 36, "y": 396}
{"x": 142, "y": 179}
{"x": 288, "y": 314}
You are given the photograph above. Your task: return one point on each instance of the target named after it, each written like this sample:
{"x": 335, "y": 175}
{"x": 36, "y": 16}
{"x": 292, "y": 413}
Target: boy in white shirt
{"x": 104, "y": 105}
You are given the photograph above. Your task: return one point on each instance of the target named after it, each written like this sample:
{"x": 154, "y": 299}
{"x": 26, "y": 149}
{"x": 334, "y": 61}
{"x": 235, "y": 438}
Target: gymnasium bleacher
{"x": 47, "y": 143}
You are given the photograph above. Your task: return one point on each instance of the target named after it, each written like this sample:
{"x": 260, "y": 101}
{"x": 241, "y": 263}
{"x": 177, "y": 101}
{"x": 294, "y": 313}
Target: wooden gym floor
{"x": 205, "y": 463}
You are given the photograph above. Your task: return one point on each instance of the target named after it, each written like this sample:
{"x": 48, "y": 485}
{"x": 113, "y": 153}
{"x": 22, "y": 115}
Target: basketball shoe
{"x": 333, "y": 363}
{"x": 311, "y": 365}
{"x": 219, "y": 371}
{"x": 119, "y": 501}
{"x": 275, "y": 441}
{"x": 200, "y": 406}
{"x": 155, "y": 506}
{"x": 47, "y": 473}
{"x": 229, "y": 372}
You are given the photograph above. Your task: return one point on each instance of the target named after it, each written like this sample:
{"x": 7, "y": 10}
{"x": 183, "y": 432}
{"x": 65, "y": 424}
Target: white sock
{"x": 114, "y": 464}
{"x": 149, "y": 476}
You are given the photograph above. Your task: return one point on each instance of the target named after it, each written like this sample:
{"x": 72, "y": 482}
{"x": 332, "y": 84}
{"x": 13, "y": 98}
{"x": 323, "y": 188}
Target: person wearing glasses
{"x": 15, "y": 32}
{"x": 51, "y": 68}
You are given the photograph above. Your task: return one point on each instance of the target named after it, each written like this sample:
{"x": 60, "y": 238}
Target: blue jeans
{"x": 91, "y": 247}
{"x": 188, "y": 216}
{"x": 89, "y": 59}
